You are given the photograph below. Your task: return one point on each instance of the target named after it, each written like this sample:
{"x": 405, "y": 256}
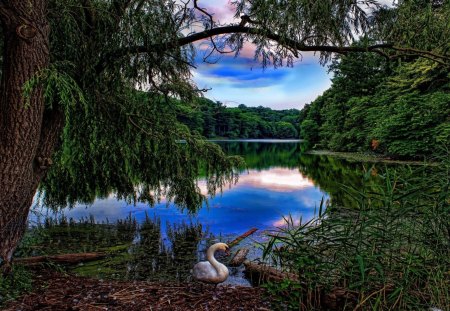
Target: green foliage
{"x": 138, "y": 154}
{"x": 416, "y": 23}
{"x": 405, "y": 111}
{"x": 15, "y": 285}
{"x": 59, "y": 88}
{"x": 412, "y": 123}
{"x": 390, "y": 253}
{"x": 213, "y": 119}
{"x": 285, "y": 130}
{"x": 398, "y": 108}
{"x": 117, "y": 139}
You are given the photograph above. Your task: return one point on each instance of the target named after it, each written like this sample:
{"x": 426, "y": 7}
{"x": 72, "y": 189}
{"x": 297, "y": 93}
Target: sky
{"x": 242, "y": 80}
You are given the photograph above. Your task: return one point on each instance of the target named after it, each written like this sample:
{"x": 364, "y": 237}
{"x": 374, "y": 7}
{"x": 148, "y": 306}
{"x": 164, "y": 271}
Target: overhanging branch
{"x": 235, "y": 29}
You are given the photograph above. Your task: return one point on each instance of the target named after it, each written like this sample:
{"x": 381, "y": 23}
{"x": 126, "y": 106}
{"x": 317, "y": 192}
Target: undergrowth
{"x": 14, "y": 285}
{"x": 389, "y": 252}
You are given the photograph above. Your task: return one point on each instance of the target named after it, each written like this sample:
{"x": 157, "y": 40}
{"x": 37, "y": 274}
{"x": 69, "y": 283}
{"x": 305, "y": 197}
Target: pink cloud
{"x": 274, "y": 179}
{"x": 223, "y": 13}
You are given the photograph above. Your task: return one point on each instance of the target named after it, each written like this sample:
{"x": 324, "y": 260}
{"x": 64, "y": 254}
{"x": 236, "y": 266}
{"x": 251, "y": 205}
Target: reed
{"x": 391, "y": 251}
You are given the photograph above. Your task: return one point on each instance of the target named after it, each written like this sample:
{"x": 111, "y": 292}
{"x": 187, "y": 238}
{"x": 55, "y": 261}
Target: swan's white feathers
{"x": 205, "y": 272}
{"x": 211, "y": 271}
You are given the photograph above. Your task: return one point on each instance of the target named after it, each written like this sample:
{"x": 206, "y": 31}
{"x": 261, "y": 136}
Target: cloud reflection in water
{"x": 260, "y": 199}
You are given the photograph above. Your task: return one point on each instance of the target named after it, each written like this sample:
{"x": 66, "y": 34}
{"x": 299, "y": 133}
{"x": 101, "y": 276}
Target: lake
{"x": 164, "y": 242}
{"x": 271, "y": 188}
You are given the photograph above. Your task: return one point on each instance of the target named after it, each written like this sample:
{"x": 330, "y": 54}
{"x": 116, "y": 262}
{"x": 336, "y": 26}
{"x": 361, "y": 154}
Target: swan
{"x": 211, "y": 271}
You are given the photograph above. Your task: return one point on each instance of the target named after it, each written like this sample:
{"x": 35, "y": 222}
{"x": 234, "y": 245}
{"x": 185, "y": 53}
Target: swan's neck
{"x": 220, "y": 268}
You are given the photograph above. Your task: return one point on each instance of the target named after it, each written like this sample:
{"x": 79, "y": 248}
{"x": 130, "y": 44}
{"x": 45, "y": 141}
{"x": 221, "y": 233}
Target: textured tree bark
{"x": 28, "y": 133}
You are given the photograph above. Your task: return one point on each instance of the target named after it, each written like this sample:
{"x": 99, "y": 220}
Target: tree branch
{"x": 89, "y": 15}
{"x": 234, "y": 29}
{"x": 119, "y": 7}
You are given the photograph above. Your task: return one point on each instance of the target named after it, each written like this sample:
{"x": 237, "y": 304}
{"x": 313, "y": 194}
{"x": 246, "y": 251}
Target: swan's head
{"x": 221, "y": 247}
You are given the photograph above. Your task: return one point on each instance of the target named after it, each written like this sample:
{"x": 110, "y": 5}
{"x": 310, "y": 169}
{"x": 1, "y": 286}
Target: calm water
{"x": 271, "y": 188}
{"x": 163, "y": 242}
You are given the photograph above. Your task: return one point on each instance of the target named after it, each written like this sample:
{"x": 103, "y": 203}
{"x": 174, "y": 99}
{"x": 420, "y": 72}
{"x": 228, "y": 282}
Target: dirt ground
{"x": 58, "y": 291}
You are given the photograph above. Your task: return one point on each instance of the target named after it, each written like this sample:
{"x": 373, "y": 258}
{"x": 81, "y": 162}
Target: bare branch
{"x": 210, "y": 17}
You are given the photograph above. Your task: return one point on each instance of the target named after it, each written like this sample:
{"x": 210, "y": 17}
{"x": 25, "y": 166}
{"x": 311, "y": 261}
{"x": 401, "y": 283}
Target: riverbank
{"x": 365, "y": 157}
{"x": 60, "y": 291}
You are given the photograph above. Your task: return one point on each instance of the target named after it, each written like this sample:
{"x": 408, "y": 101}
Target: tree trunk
{"x": 28, "y": 134}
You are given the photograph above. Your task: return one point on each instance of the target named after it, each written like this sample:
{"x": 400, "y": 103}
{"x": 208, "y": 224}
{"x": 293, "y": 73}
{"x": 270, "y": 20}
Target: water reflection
{"x": 271, "y": 187}
{"x": 137, "y": 251}
{"x": 341, "y": 179}
{"x": 155, "y": 258}
{"x": 264, "y": 155}
{"x": 163, "y": 241}
{"x": 279, "y": 181}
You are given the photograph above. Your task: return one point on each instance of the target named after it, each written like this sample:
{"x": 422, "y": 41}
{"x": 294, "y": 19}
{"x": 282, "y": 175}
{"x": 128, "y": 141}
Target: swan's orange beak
{"x": 227, "y": 251}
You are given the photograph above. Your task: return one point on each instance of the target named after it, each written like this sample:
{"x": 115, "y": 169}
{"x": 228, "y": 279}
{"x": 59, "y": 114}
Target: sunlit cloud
{"x": 234, "y": 81}
{"x": 275, "y": 179}
{"x": 284, "y": 221}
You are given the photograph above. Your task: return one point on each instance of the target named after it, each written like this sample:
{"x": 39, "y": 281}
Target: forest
{"x": 215, "y": 120}
{"x": 397, "y": 109}
{"x": 98, "y": 106}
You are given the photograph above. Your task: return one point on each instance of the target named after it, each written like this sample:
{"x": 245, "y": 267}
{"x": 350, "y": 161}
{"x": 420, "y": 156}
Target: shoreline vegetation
{"x": 368, "y": 157}
{"x": 389, "y": 252}
{"x": 98, "y": 94}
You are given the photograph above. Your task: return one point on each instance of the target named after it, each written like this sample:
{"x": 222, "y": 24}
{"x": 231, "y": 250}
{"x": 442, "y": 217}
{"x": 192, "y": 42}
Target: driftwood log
{"x": 262, "y": 273}
{"x": 239, "y": 257}
{"x": 62, "y": 259}
{"x": 334, "y": 299}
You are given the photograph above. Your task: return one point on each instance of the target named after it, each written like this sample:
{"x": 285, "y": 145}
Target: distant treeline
{"x": 399, "y": 109}
{"x": 213, "y": 120}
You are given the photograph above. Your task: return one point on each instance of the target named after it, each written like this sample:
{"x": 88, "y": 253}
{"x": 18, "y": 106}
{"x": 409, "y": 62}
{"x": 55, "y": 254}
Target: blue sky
{"x": 242, "y": 80}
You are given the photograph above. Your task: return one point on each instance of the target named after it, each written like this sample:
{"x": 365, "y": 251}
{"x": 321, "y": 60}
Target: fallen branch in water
{"x": 241, "y": 237}
{"x": 239, "y": 257}
{"x": 63, "y": 258}
{"x": 262, "y": 273}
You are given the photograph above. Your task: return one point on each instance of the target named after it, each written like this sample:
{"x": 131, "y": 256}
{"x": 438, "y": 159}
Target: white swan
{"x": 211, "y": 271}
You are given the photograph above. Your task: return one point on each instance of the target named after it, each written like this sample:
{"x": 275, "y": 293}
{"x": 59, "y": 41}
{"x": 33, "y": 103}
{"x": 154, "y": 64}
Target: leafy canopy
{"x": 116, "y": 137}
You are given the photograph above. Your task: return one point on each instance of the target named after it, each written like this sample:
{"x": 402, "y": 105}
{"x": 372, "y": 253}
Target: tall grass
{"x": 391, "y": 251}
